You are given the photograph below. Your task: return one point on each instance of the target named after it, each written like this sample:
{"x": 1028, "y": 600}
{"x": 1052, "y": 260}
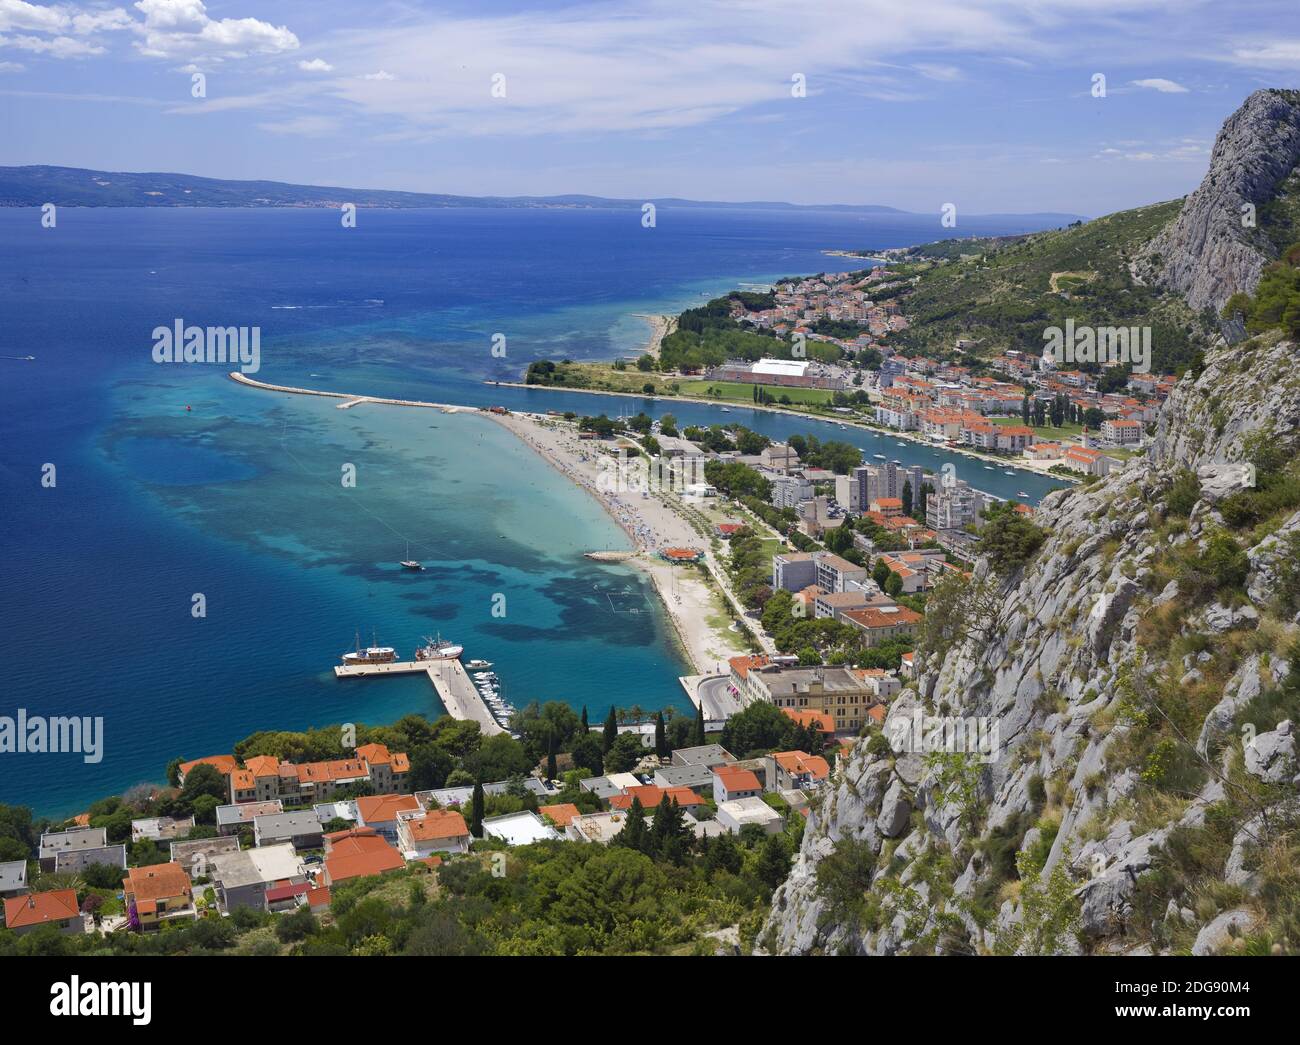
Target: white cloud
{"x": 316, "y": 65}
{"x": 946, "y": 73}
{"x": 11, "y": 67}
{"x": 17, "y": 14}
{"x": 182, "y": 29}
{"x": 1270, "y": 54}
{"x": 303, "y": 126}
{"x": 1163, "y": 86}
{"x": 381, "y": 75}
{"x": 55, "y": 46}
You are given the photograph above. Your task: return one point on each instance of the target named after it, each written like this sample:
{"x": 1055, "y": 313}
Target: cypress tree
{"x": 552, "y": 771}
{"x": 698, "y": 739}
{"x": 633, "y": 834}
{"x": 585, "y": 726}
{"x": 661, "y": 740}
{"x": 611, "y": 730}
{"x": 476, "y": 811}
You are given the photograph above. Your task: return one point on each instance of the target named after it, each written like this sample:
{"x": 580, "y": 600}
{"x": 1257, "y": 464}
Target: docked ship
{"x": 437, "y": 649}
{"x": 370, "y": 655}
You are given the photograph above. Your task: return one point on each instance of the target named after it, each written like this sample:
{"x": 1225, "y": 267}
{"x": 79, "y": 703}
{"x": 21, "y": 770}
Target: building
{"x": 1121, "y": 431}
{"x": 834, "y": 574}
{"x": 380, "y": 812}
{"x": 358, "y": 853}
{"x": 793, "y": 571}
{"x": 422, "y": 834}
{"x": 13, "y": 878}
{"x": 790, "y": 491}
{"x": 58, "y": 907}
{"x": 698, "y": 778}
{"x": 883, "y": 623}
{"x": 953, "y": 506}
{"x": 795, "y": 770}
{"x": 606, "y": 787}
{"x": 732, "y": 782}
{"x": 232, "y": 819}
{"x": 302, "y": 830}
{"x": 242, "y": 878}
{"x": 742, "y": 812}
{"x": 707, "y": 755}
{"x": 650, "y": 796}
{"x": 157, "y": 894}
{"x": 223, "y": 764}
{"x": 264, "y": 779}
{"x": 160, "y": 828}
{"x": 195, "y": 855}
{"x": 560, "y": 814}
{"x": 835, "y": 691}
{"x": 522, "y": 828}
{"x": 53, "y": 843}
{"x": 601, "y": 828}
{"x": 78, "y": 860}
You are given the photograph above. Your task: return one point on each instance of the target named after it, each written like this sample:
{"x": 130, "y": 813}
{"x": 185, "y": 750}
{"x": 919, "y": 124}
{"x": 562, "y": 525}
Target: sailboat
{"x": 408, "y": 563}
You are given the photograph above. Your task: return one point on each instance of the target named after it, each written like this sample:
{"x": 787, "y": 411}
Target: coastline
{"x": 650, "y": 523}
{"x": 911, "y": 437}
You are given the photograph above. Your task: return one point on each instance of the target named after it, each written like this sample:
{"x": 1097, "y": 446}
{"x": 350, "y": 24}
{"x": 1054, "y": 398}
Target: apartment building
{"x": 833, "y": 691}
{"x": 265, "y": 779}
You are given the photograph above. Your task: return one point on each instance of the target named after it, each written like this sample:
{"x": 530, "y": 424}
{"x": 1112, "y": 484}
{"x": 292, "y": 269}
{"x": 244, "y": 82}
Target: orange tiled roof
{"x": 742, "y": 666}
{"x": 156, "y": 882}
{"x": 437, "y": 824}
{"x": 801, "y": 762}
{"x": 561, "y": 813}
{"x": 734, "y": 779}
{"x": 223, "y": 764}
{"x": 820, "y": 719}
{"x": 339, "y": 769}
{"x": 379, "y": 809}
{"x": 262, "y": 765}
{"x": 873, "y": 617}
{"x": 40, "y": 908}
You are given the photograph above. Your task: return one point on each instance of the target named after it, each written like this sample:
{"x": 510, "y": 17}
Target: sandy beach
{"x": 660, "y": 327}
{"x": 652, "y": 523}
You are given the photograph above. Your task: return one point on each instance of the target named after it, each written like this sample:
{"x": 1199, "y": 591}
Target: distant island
{"x": 35, "y": 186}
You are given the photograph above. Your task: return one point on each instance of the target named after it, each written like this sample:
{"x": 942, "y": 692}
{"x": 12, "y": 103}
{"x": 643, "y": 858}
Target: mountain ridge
{"x": 36, "y": 185}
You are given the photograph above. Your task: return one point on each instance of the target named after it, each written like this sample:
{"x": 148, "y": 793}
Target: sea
{"x": 186, "y": 559}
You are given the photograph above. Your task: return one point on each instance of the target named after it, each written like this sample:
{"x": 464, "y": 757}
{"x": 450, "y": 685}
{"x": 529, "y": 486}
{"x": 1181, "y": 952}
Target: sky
{"x": 991, "y": 105}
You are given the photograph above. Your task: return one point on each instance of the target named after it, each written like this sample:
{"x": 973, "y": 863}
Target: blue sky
{"x": 987, "y": 104}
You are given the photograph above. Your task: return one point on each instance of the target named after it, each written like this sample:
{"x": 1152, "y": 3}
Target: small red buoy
{"x": 187, "y": 408}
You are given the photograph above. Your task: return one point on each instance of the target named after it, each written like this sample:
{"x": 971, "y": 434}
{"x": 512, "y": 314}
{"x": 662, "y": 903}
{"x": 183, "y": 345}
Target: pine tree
{"x": 611, "y": 730}
{"x": 698, "y": 738}
{"x": 661, "y": 739}
{"x": 476, "y": 811}
{"x": 633, "y": 834}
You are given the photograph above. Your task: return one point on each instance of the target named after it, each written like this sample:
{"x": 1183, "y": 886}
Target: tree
{"x": 633, "y": 835}
{"x": 698, "y": 739}
{"x": 585, "y": 726}
{"x": 668, "y": 426}
{"x": 1008, "y": 539}
{"x": 476, "y": 807}
{"x": 203, "y": 779}
{"x": 589, "y": 753}
{"x": 907, "y": 497}
{"x": 611, "y": 728}
{"x": 552, "y": 770}
{"x": 661, "y": 740}
{"x": 773, "y": 862}
{"x": 625, "y": 753}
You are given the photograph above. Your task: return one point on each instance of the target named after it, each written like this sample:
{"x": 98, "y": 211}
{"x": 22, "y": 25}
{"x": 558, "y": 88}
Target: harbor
{"x": 459, "y": 695}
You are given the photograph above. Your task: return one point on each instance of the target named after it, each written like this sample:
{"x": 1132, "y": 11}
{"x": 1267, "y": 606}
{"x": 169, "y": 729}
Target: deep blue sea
{"x": 171, "y": 481}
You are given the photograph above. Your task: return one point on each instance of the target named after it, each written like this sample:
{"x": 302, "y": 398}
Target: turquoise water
{"x": 239, "y": 497}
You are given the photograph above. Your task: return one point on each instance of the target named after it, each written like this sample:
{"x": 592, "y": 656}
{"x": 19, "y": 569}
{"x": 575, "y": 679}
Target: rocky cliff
{"x": 1137, "y": 675}
{"x": 1220, "y": 242}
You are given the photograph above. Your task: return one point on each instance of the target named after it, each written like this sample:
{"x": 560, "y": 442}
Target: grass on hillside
{"x": 1005, "y": 295}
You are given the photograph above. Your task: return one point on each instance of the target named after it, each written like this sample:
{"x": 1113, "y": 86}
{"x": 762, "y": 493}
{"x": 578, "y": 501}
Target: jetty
{"x": 450, "y": 680}
{"x": 611, "y": 556}
{"x": 350, "y": 399}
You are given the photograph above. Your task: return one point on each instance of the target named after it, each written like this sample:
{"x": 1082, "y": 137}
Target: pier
{"x": 450, "y": 681}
